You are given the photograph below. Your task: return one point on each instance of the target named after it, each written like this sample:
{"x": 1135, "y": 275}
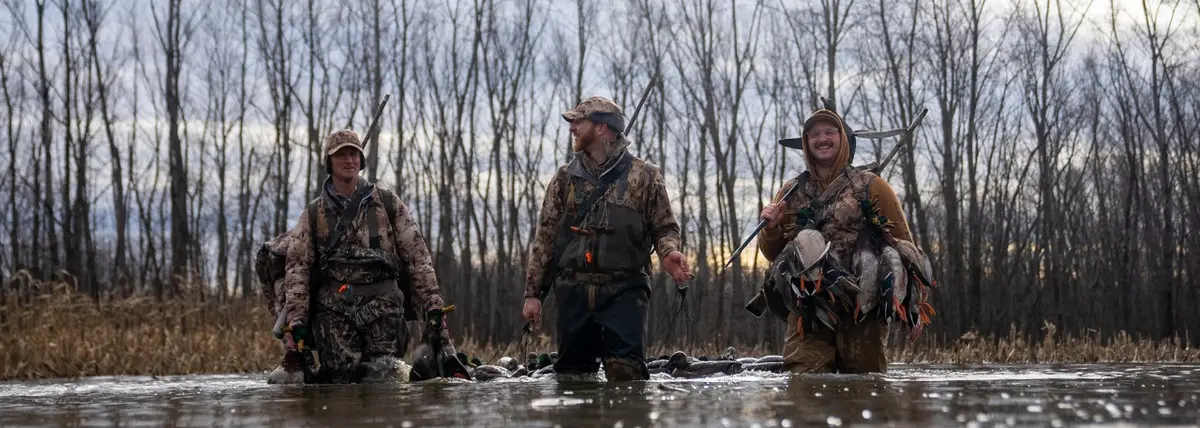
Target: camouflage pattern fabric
{"x": 842, "y": 226}
{"x": 632, "y": 216}
{"x": 598, "y": 109}
{"x": 853, "y": 347}
{"x": 354, "y": 331}
{"x": 270, "y": 264}
{"x": 399, "y": 238}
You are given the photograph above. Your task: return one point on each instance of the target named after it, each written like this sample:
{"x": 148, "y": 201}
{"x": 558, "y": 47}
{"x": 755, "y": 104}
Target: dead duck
{"x": 894, "y": 275}
{"x": 435, "y": 357}
{"x": 812, "y": 285}
{"x": 682, "y": 367}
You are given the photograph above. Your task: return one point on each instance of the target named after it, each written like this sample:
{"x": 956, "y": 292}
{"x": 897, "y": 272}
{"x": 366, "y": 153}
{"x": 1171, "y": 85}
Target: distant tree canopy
{"x": 150, "y": 147}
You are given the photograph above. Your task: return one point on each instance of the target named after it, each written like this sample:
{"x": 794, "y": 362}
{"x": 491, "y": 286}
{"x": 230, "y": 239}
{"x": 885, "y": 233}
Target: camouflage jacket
{"x": 399, "y": 240}
{"x": 845, "y": 214}
{"x": 637, "y": 209}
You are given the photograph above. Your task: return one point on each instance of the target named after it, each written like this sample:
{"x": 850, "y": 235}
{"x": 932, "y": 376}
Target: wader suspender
{"x": 335, "y": 235}
{"x": 619, "y": 171}
{"x": 389, "y": 205}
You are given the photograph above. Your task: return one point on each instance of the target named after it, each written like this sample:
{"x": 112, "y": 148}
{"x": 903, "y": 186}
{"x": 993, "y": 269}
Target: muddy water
{"x": 910, "y": 395}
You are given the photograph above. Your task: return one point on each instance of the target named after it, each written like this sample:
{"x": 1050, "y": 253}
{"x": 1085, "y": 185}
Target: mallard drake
{"x": 813, "y": 286}
{"x": 435, "y": 357}
{"x": 894, "y": 275}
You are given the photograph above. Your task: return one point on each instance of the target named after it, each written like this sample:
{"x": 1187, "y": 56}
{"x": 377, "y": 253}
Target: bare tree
{"x": 276, "y": 49}
{"x": 173, "y": 33}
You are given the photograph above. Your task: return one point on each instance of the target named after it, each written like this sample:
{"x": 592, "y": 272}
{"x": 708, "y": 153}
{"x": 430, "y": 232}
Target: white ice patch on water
{"x": 133, "y": 385}
{"x": 997, "y": 376}
{"x": 540, "y": 403}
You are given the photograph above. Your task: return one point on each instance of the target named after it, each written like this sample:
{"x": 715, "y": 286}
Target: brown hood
{"x": 843, "y": 156}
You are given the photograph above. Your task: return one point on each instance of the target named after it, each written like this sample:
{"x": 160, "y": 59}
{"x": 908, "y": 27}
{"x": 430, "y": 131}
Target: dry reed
{"x": 62, "y": 334}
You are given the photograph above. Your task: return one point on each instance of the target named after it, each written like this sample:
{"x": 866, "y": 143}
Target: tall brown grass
{"x": 63, "y": 334}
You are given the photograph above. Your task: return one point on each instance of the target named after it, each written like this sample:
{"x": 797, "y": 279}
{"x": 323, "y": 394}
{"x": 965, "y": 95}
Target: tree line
{"x": 150, "y": 147}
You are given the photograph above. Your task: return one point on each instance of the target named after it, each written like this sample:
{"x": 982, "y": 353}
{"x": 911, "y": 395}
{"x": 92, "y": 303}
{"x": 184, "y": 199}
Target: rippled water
{"x": 910, "y": 395}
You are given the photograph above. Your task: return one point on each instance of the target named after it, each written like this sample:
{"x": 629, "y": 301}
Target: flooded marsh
{"x": 909, "y": 395}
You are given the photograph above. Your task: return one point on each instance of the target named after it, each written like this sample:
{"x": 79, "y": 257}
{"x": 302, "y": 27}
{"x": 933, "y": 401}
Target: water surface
{"x": 909, "y": 395}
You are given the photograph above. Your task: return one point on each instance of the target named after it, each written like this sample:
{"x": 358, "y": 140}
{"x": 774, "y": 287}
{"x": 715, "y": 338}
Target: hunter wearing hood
{"x": 603, "y": 216}
{"x": 356, "y": 261}
{"x": 854, "y": 346}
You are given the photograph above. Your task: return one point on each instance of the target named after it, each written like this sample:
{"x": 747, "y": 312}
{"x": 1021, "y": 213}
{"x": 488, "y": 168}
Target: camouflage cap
{"x": 342, "y": 138}
{"x": 600, "y": 110}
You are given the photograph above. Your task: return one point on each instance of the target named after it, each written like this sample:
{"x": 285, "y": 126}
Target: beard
{"x": 581, "y": 142}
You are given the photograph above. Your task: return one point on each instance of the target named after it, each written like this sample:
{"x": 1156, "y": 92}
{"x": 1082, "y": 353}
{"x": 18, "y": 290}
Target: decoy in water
{"x": 774, "y": 367}
{"x": 489, "y": 372}
{"x": 543, "y": 372}
{"x": 289, "y": 370}
{"x": 543, "y": 361}
{"x": 509, "y": 363}
{"x": 682, "y": 367}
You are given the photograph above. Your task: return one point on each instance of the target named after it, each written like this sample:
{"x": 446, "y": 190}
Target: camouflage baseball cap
{"x": 341, "y": 138}
{"x": 600, "y": 110}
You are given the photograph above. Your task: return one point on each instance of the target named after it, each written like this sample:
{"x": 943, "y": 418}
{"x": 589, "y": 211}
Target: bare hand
{"x": 533, "y": 311}
{"x": 675, "y": 264}
{"x": 771, "y": 213}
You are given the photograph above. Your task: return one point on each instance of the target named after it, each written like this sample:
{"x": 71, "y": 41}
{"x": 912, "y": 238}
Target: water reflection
{"x": 908, "y": 396}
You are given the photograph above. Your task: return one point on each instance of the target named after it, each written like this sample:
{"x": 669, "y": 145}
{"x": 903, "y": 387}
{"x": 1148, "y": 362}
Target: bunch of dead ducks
{"x": 677, "y": 365}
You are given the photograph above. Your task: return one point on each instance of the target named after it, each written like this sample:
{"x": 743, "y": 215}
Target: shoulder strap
{"x": 348, "y": 215}
{"x": 388, "y": 200}
{"x": 312, "y": 225}
{"x": 620, "y": 171}
{"x": 389, "y": 205}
